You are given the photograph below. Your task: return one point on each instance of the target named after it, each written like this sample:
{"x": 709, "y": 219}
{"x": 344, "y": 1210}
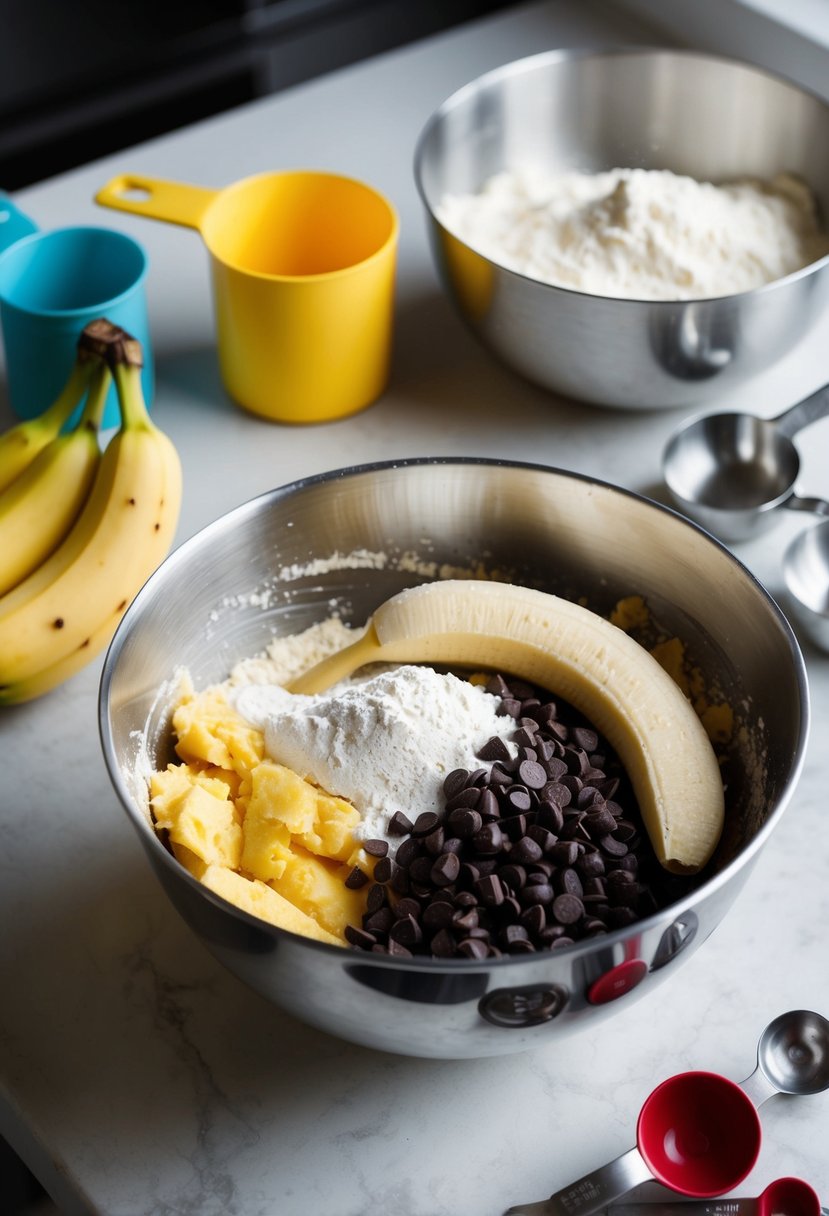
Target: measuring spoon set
{"x": 734, "y": 472}
{"x": 699, "y": 1134}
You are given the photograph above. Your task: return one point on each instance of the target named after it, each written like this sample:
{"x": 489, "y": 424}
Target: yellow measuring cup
{"x": 302, "y": 266}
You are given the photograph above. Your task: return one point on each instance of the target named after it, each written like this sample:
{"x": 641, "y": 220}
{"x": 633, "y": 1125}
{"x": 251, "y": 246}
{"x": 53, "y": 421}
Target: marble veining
{"x": 138, "y": 1076}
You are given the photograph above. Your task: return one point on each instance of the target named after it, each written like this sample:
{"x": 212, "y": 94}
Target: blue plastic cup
{"x": 52, "y": 284}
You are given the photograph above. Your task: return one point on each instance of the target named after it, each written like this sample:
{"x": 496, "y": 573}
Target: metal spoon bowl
{"x": 792, "y": 1057}
{"x": 730, "y": 472}
{"x": 806, "y": 576}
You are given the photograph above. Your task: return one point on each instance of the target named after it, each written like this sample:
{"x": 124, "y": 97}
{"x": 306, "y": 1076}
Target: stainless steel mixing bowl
{"x": 711, "y": 118}
{"x": 357, "y": 536}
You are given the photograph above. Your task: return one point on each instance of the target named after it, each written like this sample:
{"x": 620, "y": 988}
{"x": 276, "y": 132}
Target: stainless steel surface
{"x": 711, "y": 118}
{"x": 792, "y": 1057}
{"x": 782, "y": 1197}
{"x": 806, "y": 576}
{"x": 594, "y": 1191}
{"x": 230, "y": 588}
{"x": 730, "y": 472}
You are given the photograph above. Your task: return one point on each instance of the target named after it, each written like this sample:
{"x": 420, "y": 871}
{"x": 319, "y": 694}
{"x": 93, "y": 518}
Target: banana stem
{"x": 130, "y": 395}
{"x": 93, "y": 411}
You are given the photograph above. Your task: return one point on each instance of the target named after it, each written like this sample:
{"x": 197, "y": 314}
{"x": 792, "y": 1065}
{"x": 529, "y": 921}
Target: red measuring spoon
{"x": 698, "y": 1134}
{"x": 783, "y": 1197}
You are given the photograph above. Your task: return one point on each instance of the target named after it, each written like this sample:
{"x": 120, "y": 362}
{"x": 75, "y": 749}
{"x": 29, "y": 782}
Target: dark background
{"x": 82, "y": 78}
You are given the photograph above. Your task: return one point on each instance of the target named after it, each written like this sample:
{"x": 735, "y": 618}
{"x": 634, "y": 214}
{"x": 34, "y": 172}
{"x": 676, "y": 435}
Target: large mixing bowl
{"x": 711, "y": 118}
{"x": 355, "y": 537}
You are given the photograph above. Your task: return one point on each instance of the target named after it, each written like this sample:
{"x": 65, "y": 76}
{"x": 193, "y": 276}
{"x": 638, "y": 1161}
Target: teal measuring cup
{"x": 52, "y": 284}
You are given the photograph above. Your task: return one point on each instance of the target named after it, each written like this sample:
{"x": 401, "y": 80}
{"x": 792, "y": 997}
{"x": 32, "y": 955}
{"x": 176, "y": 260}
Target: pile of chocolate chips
{"x": 539, "y": 851}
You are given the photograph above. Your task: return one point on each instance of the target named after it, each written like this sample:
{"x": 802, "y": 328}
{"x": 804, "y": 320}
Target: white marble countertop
{"x": 138, "y": 1076}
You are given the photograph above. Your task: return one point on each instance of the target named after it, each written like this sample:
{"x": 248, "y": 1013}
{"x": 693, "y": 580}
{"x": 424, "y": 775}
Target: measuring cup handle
{"x": 757, "y": 1087}
{"x": 594, "y": 1191}
{"x": 807, "y": 411}
{"x": 815, "y": 506}
{"x": 14, "y": 223}
{"x": 173, "y": 202}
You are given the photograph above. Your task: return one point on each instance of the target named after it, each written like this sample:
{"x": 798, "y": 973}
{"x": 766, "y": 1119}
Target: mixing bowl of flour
{"x": 641, "y": 229}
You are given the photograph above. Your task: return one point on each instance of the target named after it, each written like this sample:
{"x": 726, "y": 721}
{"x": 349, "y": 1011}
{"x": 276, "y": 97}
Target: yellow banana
{"x": 581, "y": 657}
{"x": 20, "y": 445}
{"x": 67, "y": 609}
{"x": 40, "y": 506}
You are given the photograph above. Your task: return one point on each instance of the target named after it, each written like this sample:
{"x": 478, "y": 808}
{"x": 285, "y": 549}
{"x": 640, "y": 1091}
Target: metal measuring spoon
{"x": 792, "y": 1057}
{"x": 806, "y": 575}
{"x": 730, "y": 472}
{"x": 783, "y": 1197}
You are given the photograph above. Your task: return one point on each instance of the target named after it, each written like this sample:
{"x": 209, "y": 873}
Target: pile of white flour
{"x": 385, "y": 743}
{"x": 641, "y": 234}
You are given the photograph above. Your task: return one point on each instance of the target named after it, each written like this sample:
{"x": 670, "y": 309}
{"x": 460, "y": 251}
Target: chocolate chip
{"x": 356, "y": 879}
{"x": 567, "y": 909}
{"x": 406, "y": 907}
{"x": 376, "y": 848}
{"x": 489, "y": 839}
{"x": 464, "y": 822}
{"x": 443, "y": 944}
{"x": 383, "y": 870}
{"x": 614, "y": 848}
{"x": 398, "y": 950}
{"x": 537, "y": 893}
{"x": 407, "y": 851}
{"x": 487, "y": 805}
{"x": 379, "y": 921}
{"x": 399, "y": 824}
{"x": 526, "y": 849}
{"x": 542, "y": 836}
{"x": 532, "y": 774}
{"x": 494, "y": 749}
{"x": 406, "y": 931}
{"x": 376, "y": 897}
{"x": 491, "y": 891}
{"x": 454, "y": 782}
{"x": 514, "y": 876}
{"x": 518, "y": 799}
{"x": 445, "y": 869}
{"x": 564, "y": 853}
{"x": 567, "y": 882}
{"x": 465, "y": 920}
{"x": 437, "y": 915}
{"x": 534, "y": 919}
{"x": 425, "y": 823}
{"x": 359, "y": 937}
{"x": 433, "y": 843}
{"x": 557, "y": 793}
{"x": 550, "y": 816}
{"x": 473, "y": 948}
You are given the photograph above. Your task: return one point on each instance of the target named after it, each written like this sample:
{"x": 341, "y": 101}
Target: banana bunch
{"x": 80, "y": 530}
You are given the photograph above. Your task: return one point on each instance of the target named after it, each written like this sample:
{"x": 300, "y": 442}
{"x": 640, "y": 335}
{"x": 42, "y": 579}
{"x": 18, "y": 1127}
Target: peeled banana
{"x": 20, "y": 445}
{"x": 581, "y": 657}
{"x": 67, "y": 609}
{"x": 39, "y": 507}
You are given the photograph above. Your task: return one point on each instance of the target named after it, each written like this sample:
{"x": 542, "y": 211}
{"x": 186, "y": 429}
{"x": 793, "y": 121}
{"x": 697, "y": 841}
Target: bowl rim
{"x": 230, "y": 519}
{"x": 540, "y": 59}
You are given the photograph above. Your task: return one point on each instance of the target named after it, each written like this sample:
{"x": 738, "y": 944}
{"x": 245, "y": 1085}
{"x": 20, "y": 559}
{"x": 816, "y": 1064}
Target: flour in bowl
{"x": 641, "y": 234}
